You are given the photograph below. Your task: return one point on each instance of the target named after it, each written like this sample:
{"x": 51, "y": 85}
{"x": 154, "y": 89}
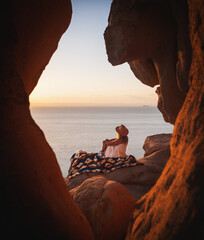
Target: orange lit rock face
{"x": 148, "y": 37}
{"x": 107, "y": 205}
{"x": 35, "y": 203}
{"x": 173, "y": 209}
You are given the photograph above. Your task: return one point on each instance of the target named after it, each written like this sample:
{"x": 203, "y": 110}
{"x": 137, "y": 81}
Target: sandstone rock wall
{"x": 35, "y": 203}
{"x": 173, "y": 208}
{"x": 152, "y": 36}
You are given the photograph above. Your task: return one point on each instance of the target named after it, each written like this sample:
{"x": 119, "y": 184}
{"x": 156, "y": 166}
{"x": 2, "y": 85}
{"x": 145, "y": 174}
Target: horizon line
{"x": 94, "y": 106}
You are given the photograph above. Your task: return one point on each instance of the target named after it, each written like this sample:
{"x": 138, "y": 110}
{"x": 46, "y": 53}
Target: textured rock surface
{"x": 152, "y": 36}
{"x": 34, "y": 199}
{"x": 173, "y": 209}
{"x": 107, "y": 205}
{"x": 138, "y": 180}
{"x": 156, "y": 142}
{"x": 35, "y": 203}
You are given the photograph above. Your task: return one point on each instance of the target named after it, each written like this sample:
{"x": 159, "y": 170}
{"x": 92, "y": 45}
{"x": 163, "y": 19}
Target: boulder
{"x": 138, "y": 179}
{"x": 156, "y": 142}
{"x": 107, "y": 205}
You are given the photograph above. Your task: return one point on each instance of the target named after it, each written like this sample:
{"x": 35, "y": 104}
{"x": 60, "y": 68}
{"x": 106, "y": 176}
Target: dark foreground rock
{"x": 35, "y": 203}
{"x": 34, "y": 199}
{"x": 107, "y": 205}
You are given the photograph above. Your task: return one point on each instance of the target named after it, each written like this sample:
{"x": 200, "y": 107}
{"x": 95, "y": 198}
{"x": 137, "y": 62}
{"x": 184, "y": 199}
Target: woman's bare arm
{"x": 114, "y": 142}
{"x": 111, "y": 142}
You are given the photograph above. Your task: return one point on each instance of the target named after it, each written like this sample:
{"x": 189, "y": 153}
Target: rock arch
{"x": 34, "y": 198}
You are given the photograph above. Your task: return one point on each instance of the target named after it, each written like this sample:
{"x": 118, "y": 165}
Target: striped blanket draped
{"x": 82, "y": 161}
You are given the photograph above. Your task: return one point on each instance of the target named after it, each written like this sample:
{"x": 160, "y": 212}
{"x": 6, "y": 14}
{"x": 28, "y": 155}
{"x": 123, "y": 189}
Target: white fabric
{"x": 116, "y": 151}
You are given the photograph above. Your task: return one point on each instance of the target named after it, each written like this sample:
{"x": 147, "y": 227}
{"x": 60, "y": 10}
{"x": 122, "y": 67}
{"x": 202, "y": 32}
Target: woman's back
{"x": 116, "y": 151}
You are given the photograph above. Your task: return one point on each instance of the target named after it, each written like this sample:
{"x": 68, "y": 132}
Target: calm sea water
{"x": 68, "y": 129}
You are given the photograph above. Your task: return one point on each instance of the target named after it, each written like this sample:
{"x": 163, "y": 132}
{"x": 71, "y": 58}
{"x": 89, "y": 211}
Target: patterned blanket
{"x": 97, "y": 162}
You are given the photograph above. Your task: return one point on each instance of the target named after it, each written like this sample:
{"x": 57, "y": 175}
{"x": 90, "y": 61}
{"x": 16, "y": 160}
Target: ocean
{"x": 68, "y": 129}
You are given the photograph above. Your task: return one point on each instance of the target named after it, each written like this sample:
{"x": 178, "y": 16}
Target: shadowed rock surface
{"x": 173, "y": 208}
{"x": 152, "y": 36}
{"x": 35, "y": 203}
{"x": 107, "y": 205}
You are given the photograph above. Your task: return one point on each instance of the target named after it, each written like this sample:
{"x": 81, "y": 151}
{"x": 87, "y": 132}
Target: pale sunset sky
{"x": 79, "y": 73}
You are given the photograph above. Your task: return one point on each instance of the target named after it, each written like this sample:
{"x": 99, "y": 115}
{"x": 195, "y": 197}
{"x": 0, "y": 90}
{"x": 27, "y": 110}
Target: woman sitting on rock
{"x": 116, "y": 147}
{"x": 112, "y": 156}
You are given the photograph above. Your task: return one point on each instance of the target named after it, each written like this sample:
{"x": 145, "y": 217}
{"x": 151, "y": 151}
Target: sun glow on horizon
{"x": 79, "y": 73}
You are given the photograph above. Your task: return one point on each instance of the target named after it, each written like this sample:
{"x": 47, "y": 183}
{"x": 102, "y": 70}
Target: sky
{"x": 79, "y": 73}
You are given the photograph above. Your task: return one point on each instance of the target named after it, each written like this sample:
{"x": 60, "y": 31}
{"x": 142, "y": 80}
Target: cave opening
{"x": 81, "y": 98}
{"x": 36, "y": 203}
